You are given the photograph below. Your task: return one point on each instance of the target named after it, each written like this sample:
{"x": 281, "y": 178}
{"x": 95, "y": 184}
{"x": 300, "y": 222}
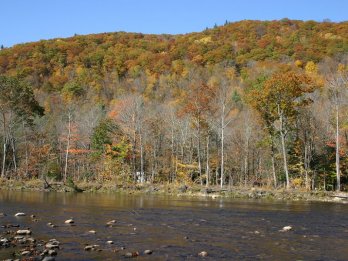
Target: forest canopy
{"x": 250, "y": 102}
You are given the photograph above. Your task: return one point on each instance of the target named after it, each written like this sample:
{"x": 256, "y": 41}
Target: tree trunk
{"x": 4, "y": 148}
{"x": 273, "y": 164}
{"x": 4, "y": 159}
{"x": 26, "y": 152}
{"x": 142, "y": 174}
{"x": 14, "y": 158}
{"x": 222, "y": 146}
{"x": 67, "y": 148}
{"x": 338, "y": 187}
{"x": 282, "y": 136}
{"x": 207, "y": 167}
{"x": 199, "y": 158}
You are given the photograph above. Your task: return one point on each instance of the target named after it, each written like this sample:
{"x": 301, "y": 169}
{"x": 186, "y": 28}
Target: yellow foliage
{"x": 204, "y": 40}
{"x": 297, "y": 182}
{"x": 341, "y": 68}
{"x": 231, "y": 73}
{"x": 79, "y": 70}
{"x": 311, "y": 67}
{"x": 299, "y": 63}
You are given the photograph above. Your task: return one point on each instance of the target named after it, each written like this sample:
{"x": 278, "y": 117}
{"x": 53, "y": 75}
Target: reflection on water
{"x": 178, "y": 228}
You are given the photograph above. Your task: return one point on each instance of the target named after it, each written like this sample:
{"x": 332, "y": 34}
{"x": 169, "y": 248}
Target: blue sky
{"x": 32, "y": 20}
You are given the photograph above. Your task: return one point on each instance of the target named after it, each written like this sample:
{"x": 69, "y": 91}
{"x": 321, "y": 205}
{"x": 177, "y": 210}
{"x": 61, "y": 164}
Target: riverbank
{"x": 214, "y": 192}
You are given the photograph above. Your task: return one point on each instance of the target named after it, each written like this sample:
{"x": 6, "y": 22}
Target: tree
{"x": 17, "y": 105}
{"x": 224, "y": 94}
{"x": 278, "y": 100}
{"x": 337, "y": 84}
{"x": 198, "y": 104}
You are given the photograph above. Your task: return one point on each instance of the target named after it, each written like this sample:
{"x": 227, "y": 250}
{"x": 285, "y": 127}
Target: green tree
{"x": 17, "y": 104}
{"x": 102, "y": 136}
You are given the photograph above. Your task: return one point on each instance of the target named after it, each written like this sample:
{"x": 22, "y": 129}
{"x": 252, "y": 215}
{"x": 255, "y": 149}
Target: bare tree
{"x": 337, "y": 90}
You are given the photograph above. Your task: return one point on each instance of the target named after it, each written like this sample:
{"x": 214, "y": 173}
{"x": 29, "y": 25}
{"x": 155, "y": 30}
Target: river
{"x": 178, "y": 228}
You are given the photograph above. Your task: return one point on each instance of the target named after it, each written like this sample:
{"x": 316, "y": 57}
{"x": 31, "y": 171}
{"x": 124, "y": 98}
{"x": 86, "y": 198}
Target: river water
{"x": 178, "y": 228}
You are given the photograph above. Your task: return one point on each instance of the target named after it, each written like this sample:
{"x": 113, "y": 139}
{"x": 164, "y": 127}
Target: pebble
{"x": 148, "y": 252}
{"x": 31, "y": 239}
{"x": 111, "y": 222}
{"x": 20, "y": 214}
{"x": 52, "y": 252}
{"x": 92, "y": 232}
{"x": 129, "y": 254}
{"x": 203, "y": 254}
{"x": 24, "y": 253}
{"x": 23, "y": 232}
{"x": 89, "y": 248}
{"x": 110, "y": 242}
{"x": 4, "y": 242}
{"x": 48, "y": 258}
{"x": 286, "y": 228}
{"x": 69, "y": 221}
{"x": 52, "y": 244}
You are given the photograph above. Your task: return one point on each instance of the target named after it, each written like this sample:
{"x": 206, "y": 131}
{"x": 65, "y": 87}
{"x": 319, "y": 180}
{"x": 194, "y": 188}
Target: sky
{"x": 32, "y": 20}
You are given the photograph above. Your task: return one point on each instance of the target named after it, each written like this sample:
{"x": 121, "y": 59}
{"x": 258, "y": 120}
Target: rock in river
{"x": 52, "y": 244}
{"x": 20, "y": 214}
{"x": 48, "y": 258}
{"x": 25, "y": 253}
{"x": 23, "y": 232}
{"x": 286, "y": 228}
{"x": 133, "y": 254}
{"x": 148, "y": 252}
{"x": 69, "y": 221}
{"x": 203, "y": 254}
{"x": 111, "y": 222}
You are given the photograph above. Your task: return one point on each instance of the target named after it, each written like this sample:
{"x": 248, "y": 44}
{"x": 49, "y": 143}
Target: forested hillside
{"x": 251, "y": 103}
